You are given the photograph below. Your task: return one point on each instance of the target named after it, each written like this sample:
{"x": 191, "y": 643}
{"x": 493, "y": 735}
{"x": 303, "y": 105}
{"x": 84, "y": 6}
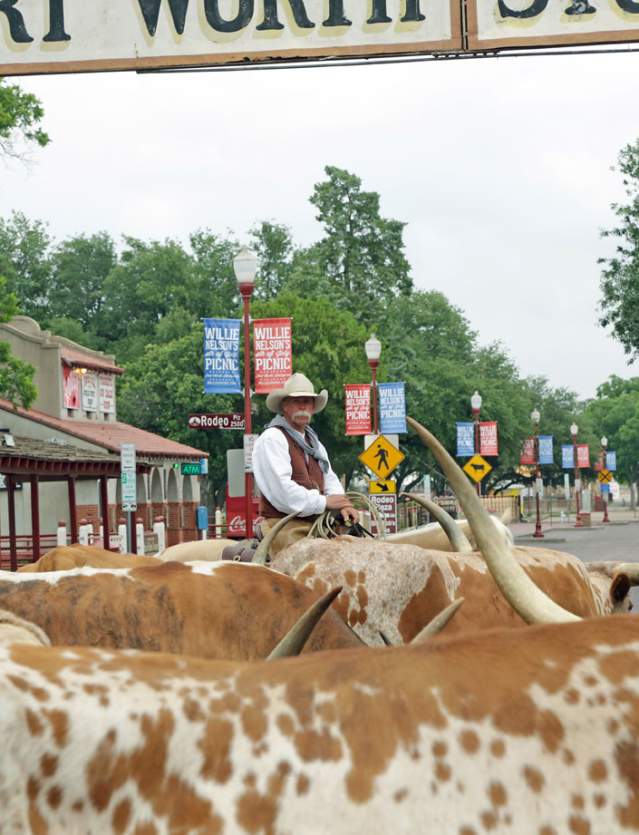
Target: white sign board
{"x": 127, "y": 477}
{"x": 107, "y": 393}
{"x": 40, "y": 36}
{"x": 386, "y": 504}
{"x": 90, "y": 391}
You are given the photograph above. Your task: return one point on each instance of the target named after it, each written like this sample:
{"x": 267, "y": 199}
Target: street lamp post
{"x": 536, "y": 417}
{"x": 604, "y": 494}
{"x": 475, "y": 405}
{"x": 573, "y": 431}
{"x": 373, "y": 348}
{"x": 245, "y": 267}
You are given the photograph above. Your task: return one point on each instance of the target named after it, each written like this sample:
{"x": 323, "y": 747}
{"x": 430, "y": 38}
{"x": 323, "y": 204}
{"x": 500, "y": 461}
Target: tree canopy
{"x": 21, "y": 115}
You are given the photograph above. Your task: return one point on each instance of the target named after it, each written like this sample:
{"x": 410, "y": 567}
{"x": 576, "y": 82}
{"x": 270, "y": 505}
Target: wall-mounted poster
{"x": 107, "y": 393}
{"x": 90, "y": 391}
{"x": 71, "y": 388}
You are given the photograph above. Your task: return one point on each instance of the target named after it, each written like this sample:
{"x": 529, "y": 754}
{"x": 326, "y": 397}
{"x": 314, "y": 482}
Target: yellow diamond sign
{"x": 477, "y": 467}
{"x": 381, "y": 457}
{"x": 605, "y": 476}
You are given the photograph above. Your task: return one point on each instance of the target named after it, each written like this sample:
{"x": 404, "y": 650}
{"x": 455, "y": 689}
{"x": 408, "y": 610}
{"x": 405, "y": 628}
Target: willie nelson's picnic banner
{"x": 357, "y": 399}
{"x": 465, "y": 439}
{"x": 488, "y": 438}
{"x": 272, "y": 353}
{"x": 392, "y": 408}
{"x": 222, "y": 356}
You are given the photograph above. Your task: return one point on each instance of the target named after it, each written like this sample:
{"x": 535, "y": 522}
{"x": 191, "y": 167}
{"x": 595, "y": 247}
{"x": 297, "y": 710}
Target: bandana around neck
{"x": 312, "y": 449}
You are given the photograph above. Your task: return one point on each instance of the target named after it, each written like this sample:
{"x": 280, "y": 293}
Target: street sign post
{"x": 381, "y": 457}
{"x": 128, "y": 486}
{"x": 477, "y": 468}
{"x": 216, "y": 420}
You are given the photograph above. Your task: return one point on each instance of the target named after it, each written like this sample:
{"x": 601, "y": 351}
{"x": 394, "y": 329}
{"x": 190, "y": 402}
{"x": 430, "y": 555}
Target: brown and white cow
{"x": 66, "y": 557}
{"x": 531, "y": 732}
{"x": 223, "y": 610}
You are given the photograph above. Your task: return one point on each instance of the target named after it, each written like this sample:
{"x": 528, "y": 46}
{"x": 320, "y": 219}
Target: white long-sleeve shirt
{"x": 273, "y": 474}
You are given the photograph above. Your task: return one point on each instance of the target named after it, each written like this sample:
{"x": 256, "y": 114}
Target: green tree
{"x": 273, "y": 245}
{"x": 362, "y": 253}
{"x": 25, "y": 262}
{"x": 16, "y": 376}
{"x": 620, "y": 274}
{"x": 20, "y": 117}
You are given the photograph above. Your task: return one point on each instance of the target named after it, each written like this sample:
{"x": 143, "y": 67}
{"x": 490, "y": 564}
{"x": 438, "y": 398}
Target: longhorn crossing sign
{"x": 477, "y": 468}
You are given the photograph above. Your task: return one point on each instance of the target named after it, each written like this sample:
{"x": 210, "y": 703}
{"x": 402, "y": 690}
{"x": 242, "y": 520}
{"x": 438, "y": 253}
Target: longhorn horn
{"x": 456, "y": 536}
{"x": 386, "y": 641}
{"x": 519, "y": 590}
{"x": 435, "y": 626}
{"x": 293, "y": 642}
{"x": 262, "y": 551}
{"x": 630, "y": 569}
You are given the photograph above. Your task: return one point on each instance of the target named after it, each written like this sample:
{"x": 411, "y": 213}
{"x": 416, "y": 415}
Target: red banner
{"x": 583, "y": 456}
{"x": 273, "y": 353}
{"x": 71, "y": 388}
{"x": 358, "y": 409}
{"x": 488, "y": 438}
{"x": 527, "y": 456}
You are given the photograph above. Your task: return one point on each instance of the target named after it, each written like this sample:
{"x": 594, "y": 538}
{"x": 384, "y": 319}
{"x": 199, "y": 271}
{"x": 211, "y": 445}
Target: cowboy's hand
{"x": 349, "y": 514}
{"x": 340, "y": 502}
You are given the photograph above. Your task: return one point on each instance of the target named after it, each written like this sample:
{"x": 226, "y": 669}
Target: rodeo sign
{"x": 56, "y": 36}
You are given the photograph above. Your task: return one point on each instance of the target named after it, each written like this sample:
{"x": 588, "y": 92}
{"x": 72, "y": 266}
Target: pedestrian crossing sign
{"x": 381, "y": 457}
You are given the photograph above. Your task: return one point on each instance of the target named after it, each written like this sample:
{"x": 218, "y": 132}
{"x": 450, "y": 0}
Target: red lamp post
{"x": 373, "y": 348}
{"x": 245, "y": 267}
{"x": 604, "y": 494}
{"x": 475, "y": 406}
{"x": 573, "y": 431}
{"x": 536, "y": 417}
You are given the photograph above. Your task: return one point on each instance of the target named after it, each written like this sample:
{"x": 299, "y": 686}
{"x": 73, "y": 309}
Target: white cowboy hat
{"x": 296, "y": 386}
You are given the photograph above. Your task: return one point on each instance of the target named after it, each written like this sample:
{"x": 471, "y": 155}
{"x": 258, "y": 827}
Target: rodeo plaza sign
{"x": 57, "y": 36}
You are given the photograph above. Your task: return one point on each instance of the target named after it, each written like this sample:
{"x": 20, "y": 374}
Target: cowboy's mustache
{"x": 302, "y": 413}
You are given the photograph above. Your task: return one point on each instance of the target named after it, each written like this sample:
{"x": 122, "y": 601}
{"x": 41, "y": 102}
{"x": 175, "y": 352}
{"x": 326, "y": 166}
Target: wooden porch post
{"x": 104, "y": 501}
{"x": 73, "y": 516}
{"x": 11, "y": 504}
{"x": 35, "y": 517}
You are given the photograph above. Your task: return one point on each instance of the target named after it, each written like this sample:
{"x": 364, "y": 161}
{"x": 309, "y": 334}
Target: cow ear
{"x": 619, "y": 587}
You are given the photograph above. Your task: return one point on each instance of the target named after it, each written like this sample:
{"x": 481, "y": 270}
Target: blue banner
{"x": 465, "y": 439}
{"x": 222, "y": 356}
{"x": 392, "y": 408}
{"x": 611, "y": 461}
{"x": 567, "y": 457}
{"x": 545, "y": 449}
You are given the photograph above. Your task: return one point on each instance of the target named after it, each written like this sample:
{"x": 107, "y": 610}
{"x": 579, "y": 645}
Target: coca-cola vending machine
{"x": 235, "y": 505}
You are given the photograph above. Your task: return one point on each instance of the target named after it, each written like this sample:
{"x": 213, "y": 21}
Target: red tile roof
{"x": 82, "y": 360}
{"x": 111, "y": 435}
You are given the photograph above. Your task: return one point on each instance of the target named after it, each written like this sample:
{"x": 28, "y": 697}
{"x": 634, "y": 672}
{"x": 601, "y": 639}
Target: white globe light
{"x": 574, "y": 429}
{"x": 604, "y": 441}
{"x": 535, "y": 416}
{"x": 245, "y": 266}
{"x": 373, "y": 348}
{"x": 475, "y": 402}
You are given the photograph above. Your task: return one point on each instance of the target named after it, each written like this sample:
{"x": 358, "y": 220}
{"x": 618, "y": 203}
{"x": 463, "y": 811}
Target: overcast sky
{"x": 501, "y": 170}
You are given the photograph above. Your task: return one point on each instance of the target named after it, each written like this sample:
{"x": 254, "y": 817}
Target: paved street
{"x": 616, "y": 541}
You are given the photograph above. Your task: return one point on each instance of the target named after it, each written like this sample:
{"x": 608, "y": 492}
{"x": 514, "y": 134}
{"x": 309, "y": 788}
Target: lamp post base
{"x": 538, "y": 534}
{"x": 579, "y": 523}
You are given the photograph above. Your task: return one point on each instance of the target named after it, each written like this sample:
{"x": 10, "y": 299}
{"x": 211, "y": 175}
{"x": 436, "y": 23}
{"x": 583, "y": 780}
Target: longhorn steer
{"x": 397, "y": 589}
{"x": 532, "y": 732}
{"x": 66, "y": 557}
{"x": 211, "y": 611}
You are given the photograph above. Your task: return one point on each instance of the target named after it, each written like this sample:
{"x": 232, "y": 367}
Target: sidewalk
{"x": 523, "y": 531}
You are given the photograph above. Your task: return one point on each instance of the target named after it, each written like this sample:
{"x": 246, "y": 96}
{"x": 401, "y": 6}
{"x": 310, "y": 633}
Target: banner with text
{"x": 106, "y": 385}
{"x": 611, "y": 461}
{"x": 465, "y": 439}
{"x": 546, "y": 452}
{"x": 392, "y": 408}
{"x": 488, "y": 444}
{"x": 71, "y": 388}
{"x": 90, "y": 391}
{"x": 527, "y": 457}
{"x": 567, "y": 457}
{"x": 272, "y": 353}
{"x": 583, "y": 456}
{"x": 222, "y": 356}
{"x": 357, "y": 400}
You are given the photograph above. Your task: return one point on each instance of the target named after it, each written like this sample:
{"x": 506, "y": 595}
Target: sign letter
{"x": 535, "y": 8}
{"x": 413, "y": 12}
{"x": 151, "y": 11}
{"x": 379, "y": 13}
{"x": 271, "y": 20}
{"x": 56, "y": 22}
{"x": 17, "y": 29}
{"x": 628, "y": 6}
{"x": 336, "y": 16}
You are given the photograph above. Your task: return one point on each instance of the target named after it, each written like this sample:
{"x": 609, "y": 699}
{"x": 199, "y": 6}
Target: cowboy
{"x": 291, "y": 466}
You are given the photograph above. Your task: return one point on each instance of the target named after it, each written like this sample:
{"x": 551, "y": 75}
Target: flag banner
{"x": 357, "y": 399}
{"x": 546, "y": 453}
{"x": 527, "y": 456}
{"x": 71, "y": 388}
{"x": 272, "y": 353}
{"x": 567, "y": 457}
{"x": 488, "y": 444}
{"x": 222, "y": 356}
{"x": 611, "y": 461}
{"x": 583, "y": 456}
{"x": 392, "y": 408}
{"x": 465, "y": 439}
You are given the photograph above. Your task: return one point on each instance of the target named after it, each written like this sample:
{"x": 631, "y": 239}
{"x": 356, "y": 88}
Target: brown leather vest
{"x": 307, "y": 474}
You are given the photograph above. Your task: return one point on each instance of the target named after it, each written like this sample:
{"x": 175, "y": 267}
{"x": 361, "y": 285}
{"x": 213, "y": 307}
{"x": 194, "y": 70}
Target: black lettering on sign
{"x": 271, "y": 20}
{"x": 379, "y": 13}
{"x": 217, "y": 22}
{"x": 56, "y": 22}
{"x": 535, "y": 8}
{"x": 336, "y": 16}
{"x": 628, "y": 6}
{"x": 151, "y": 11}
{"x": 17, "y": 29}
{"x": 413, "y": 12}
